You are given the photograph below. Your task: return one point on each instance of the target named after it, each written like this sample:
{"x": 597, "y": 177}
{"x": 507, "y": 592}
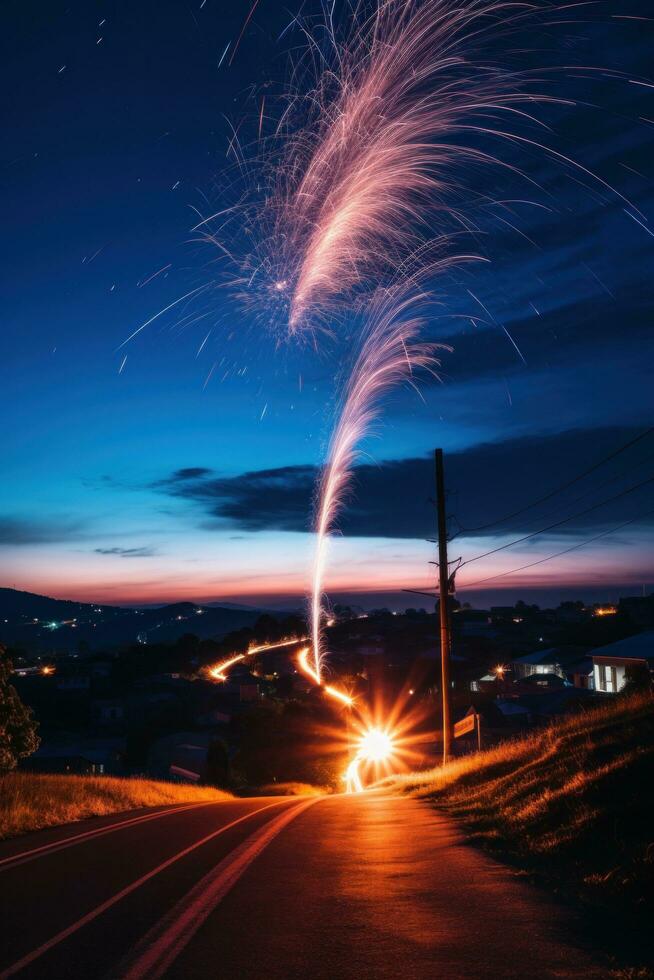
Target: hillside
{"x": 39, "y": 623}
{"x": 30, "y": 802}
{"x": 574, "y": 806}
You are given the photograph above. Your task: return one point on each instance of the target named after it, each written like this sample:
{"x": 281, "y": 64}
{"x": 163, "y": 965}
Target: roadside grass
{"x": 292, "y": 789}
{"x": 31, "y": 801}
{"x": 572, "y": 804}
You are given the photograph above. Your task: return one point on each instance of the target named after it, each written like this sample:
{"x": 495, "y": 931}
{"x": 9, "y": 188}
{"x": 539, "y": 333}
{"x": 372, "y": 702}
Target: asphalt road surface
{"x": 367, "y": 887}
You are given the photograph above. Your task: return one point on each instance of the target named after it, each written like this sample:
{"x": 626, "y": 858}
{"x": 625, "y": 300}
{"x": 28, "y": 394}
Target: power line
{"x": 581, "y": 544}
{"x": 564, "y": 486}
{"x": 565, "y": 520}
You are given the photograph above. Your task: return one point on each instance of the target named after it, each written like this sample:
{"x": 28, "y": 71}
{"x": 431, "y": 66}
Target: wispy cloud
{"x": 143, "y": 552}
{"x": 27, "y": 531}
{"x": 393, "y": 499}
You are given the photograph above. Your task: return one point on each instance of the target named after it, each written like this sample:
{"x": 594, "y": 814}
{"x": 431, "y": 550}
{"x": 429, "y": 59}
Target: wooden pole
{"x": 443, "y": 605}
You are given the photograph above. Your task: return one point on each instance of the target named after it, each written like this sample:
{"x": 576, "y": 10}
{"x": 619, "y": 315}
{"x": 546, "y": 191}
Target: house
{"x": 189, "y": 762}
{"x": 486, "y": 683}
{"x": 544, "y": 681}
{"x": 582, "y": 674}
{"x": 541, "y": 707}
{"x": 554, "y": 660}
{"x": 610, "y": 662}
{"x": 514, "y": 712}
{"x": 181, "y": 756}
{"x": 84, "y": 756}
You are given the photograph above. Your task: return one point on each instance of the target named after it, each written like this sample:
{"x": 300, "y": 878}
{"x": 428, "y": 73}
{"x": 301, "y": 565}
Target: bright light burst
{"x": 376, "y": 745}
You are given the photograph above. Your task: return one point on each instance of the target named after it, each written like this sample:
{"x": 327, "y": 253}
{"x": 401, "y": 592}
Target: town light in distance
{"x": 605, "y": 611}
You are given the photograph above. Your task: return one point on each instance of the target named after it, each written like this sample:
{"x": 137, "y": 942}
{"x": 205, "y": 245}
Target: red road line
{"x": 34, "y": 852}
{"x": 94, "y": 913}
{"x": 165, "y": 941}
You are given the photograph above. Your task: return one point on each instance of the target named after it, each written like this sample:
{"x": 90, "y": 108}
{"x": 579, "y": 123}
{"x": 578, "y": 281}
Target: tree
{"x": 637, "y": 678}
{"x": 18, "y": 737}
{"x": 217, "y": 763}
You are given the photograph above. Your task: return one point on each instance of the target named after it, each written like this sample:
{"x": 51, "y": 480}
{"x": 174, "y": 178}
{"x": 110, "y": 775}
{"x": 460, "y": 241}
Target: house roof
{"x": 639, "y": 647}
{"x": 549, "y": 656}
{"x": 549, "y": 703}
{"x": 512, "y": 708}
{"x": 553, "y": 655}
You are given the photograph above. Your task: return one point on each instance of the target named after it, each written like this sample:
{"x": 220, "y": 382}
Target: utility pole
{"x": 443, "y": 605}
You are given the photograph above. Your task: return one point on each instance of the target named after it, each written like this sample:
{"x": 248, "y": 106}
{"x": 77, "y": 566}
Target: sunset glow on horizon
{"x": 359, "y": 566}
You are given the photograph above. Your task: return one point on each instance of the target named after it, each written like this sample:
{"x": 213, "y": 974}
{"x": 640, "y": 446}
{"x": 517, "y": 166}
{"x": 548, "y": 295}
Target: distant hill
{"x": 14, "y": 603}
{"x": 40, "y": 623}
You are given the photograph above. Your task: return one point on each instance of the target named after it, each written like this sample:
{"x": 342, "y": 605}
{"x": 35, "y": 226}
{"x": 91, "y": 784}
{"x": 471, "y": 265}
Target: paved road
{"x": 366, "y": 887}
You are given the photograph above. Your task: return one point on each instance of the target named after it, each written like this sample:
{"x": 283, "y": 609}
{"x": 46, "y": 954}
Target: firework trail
{"x": 406, "y": 113}
{"x": 366, "y": 187}
{"x": 378, "y": 171}
{"x": 361, "y": 188}
{"x": 390, "y": 352}
{"x": 359, "y": 193}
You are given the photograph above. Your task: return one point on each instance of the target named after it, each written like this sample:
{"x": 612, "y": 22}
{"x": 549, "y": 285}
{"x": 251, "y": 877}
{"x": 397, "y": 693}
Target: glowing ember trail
{"x": 219, "y": 671}
{"x": 310, "y": 671}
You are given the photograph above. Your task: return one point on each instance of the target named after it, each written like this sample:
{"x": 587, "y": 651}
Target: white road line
{"x": 94, "y": 913}
{"x": 57, "y": 845}
{"x": 165, "y": 941}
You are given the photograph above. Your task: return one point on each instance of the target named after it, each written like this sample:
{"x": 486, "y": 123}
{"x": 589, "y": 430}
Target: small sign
{"x": 466, "y": 725}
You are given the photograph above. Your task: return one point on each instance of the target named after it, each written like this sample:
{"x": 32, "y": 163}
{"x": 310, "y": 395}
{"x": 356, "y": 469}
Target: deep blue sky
{"x": 141, "y": 479}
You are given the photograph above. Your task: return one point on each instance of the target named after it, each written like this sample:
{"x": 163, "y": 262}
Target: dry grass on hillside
{"x": 573, "y": 803}
{"x": 292, "y": 789}
{"x": 30, "y": 801}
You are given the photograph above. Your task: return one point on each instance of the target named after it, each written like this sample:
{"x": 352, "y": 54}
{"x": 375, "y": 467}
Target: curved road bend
{"x": 343, "y": 888}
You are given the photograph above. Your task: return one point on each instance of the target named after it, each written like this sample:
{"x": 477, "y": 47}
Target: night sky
{"x": 182, "y": 464}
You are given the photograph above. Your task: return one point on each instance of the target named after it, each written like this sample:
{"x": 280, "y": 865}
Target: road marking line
{"x": 164, "y": 942}
{"x": 34, "y": 852}
{"x": 94, "y": 913}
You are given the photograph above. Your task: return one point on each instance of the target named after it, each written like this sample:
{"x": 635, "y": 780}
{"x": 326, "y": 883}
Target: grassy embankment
{"x": 293, "y": 789}
{"x": 574, "y": 806}
{"x": 29, "y": 801}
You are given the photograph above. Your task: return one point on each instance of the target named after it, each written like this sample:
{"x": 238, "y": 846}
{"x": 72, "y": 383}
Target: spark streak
{"x": 389, "y": 354}
{"x": 175, "y": 302}
{"x": 219, "y": 671}
{"x": 222, "y": 57}
{"x": 406, "y": 84}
